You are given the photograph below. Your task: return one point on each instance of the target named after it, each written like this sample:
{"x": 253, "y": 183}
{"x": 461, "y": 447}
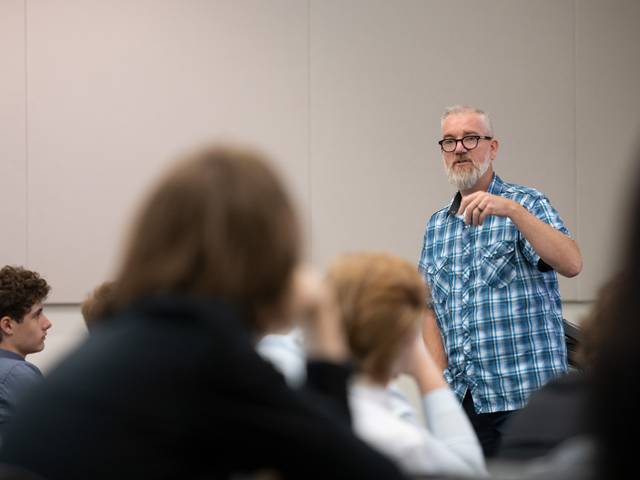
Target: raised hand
{"x": 476, "y": 207}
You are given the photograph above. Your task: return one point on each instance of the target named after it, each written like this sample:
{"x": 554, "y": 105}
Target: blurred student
{"x": 381, "y": 298}
{"x": 23, "y": 329}
{"x": 612, "y": 355}
{"x": 285, "y": 351}
{"x": 558, "y": 412}
{"x": 172, "y": 386}
{"x": 616, "y": 362}
{"x": 97, "y": 305}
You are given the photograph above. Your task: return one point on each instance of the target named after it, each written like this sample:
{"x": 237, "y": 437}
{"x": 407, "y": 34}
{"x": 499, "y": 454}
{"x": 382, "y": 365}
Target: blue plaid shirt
{"x": 496, "y": 302}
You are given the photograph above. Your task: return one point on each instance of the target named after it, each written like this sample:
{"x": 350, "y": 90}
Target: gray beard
{"x": 465, "y": 180}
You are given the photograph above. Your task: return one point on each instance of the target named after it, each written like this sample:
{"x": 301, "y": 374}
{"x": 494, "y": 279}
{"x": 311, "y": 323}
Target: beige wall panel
{"x": 381, "y": 73}
{"x": 12, "y": 133}
{"x": 117, "y": 88}
{"x": 607, "y": 128}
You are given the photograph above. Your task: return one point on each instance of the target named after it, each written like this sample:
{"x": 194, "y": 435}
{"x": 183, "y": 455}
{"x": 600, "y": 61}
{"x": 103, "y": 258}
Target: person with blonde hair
{"x": 381, "y": 299}
{"x": 171, "y": 386}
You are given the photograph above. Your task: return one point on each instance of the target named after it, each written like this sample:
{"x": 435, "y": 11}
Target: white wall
{"x": 381, "y": 74}
{"x": 607, "y": 72}
{"x": 116, "y": 89}
{"x": 12, "y": 133}
{"x": 97, "y": 97}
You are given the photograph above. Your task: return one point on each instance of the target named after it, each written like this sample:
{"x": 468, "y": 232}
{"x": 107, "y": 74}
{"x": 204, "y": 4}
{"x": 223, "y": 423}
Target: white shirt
{"x": 286, "y": 354}
{"x": 385, "y": 419}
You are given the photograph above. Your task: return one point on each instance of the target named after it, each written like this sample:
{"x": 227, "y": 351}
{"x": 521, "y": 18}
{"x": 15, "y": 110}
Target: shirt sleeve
{"x": 447, "y": 446}
{"x": 454, "y": 439}
{"x": 543, "y": 210}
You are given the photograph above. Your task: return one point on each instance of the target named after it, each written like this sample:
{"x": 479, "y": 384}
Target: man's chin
{"x": 463, "y": 183}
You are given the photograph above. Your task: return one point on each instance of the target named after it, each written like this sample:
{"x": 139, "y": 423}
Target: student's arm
{"x": 314, "y": 308}
{"x": 449, "y": 444}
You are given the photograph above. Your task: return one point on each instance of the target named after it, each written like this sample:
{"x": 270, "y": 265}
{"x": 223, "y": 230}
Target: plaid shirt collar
{"x": 495, "y": 188}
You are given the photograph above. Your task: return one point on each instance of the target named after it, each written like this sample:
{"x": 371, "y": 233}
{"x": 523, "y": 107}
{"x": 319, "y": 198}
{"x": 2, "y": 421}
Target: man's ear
{"x": 6, "y": 325}
{"x": 494, "y": 148}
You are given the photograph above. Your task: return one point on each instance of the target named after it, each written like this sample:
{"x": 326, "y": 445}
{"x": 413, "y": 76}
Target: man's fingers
{"x": 464, "y": 204}
{"x": 468, "y": 214}
{"x": 477, "y": 212}
{"x": 483, "y": 208}
{"x": 484, "y": 214}
{"x": 470, "y": 210}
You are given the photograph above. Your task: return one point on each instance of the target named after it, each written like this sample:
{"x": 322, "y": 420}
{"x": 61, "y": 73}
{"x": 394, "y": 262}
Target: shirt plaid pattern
{"x": 496, "y": 302}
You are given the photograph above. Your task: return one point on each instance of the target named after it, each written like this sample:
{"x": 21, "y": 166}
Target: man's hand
{"x": 479, "y": 205}
{"x": 433, "y": 340}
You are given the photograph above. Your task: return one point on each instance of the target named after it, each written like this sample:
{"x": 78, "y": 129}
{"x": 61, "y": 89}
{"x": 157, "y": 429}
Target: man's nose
{"x": 460, "y": 147}
{"x": 47, "y": 323}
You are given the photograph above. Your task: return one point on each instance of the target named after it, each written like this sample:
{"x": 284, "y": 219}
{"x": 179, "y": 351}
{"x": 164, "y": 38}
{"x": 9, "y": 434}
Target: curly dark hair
{"x": 20, "y": 289}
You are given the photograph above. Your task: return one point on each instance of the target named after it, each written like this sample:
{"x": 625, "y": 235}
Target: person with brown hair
{"x": 382, "y": 301}
{"x": 97, "y": 305}
{"x": 23, "y": 329}
{"x": 615, "y": 389}
{"x": 558, "y": 413}
{"x": 171, "y": 386}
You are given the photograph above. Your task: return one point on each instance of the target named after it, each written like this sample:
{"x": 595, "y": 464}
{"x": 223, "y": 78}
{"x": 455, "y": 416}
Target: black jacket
{"x": 173, "y": 388}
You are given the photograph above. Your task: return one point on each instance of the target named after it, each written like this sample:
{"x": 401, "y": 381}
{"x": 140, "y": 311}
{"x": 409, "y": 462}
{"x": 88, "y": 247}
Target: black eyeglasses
{"x": 468, "y": 141}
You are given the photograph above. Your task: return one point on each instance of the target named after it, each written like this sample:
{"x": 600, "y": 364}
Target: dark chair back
{"x": 573, "y": 338}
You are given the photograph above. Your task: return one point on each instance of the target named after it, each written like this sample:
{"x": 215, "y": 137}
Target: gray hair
{"x": 456, "y": 109}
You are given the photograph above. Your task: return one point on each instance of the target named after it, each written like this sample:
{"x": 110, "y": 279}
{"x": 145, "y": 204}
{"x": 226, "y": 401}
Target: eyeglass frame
{"x": 461, "y": 140}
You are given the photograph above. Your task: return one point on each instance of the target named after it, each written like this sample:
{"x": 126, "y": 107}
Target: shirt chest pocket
{"x": 439, "y": 279}
{"x": 498, "y": 264}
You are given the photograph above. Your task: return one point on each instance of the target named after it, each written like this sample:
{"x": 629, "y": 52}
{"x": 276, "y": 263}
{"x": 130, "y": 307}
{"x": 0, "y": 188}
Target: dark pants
{"x": 489, "y": 427}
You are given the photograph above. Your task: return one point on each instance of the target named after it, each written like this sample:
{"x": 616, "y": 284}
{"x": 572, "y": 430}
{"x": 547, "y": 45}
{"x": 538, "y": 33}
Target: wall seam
{"x": 26, "y": 139}
{"x": 309, "y": 162}
{"x": 576, "y": 176}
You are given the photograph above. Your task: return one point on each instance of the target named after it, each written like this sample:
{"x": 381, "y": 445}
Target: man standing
{"x": 491, "y": 257}
{"x": 23, "y": 328}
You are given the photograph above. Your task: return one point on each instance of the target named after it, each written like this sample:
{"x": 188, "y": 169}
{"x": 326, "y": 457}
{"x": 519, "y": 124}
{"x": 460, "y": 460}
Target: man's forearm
{"x": 554, "y": 247}
{"x": 433, "y": 340}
